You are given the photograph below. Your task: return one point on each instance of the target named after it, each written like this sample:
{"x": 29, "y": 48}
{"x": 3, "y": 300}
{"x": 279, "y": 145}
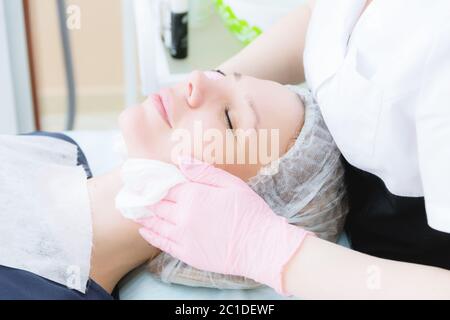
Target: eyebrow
{"x": 237, "y": 77}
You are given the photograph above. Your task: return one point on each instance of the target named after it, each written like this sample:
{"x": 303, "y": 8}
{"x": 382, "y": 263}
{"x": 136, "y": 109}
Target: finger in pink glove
{"x": 216, "y": 222}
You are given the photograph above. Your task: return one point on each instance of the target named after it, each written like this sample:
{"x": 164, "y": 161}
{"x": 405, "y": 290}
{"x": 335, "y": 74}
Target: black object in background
{"x": 179, "y": 26}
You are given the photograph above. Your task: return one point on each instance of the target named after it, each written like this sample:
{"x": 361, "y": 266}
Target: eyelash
{"x": 227, "y": 116}
{"x": 220, "y": 72}
{"x": 227, "y": 112}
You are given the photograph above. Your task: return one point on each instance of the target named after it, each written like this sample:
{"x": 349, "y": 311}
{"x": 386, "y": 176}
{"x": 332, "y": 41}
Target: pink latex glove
{"x": 217, "y": 223}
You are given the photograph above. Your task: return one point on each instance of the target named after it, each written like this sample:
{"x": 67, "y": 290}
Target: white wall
{"x": 8, "y": 120}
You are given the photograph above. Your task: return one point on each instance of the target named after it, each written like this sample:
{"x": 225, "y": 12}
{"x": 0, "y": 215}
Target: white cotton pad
{"x": 146, "y": 182}
{"x": 45, "y": 215}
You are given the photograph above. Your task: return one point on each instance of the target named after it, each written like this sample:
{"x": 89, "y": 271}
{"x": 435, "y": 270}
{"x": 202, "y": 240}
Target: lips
{"x": 160, "y": 103}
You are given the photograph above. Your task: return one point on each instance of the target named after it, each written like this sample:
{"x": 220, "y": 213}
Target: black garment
{"x": 22, "y": 285}
{"x": 392, "y": 227}
{"x": 82, "y": 161}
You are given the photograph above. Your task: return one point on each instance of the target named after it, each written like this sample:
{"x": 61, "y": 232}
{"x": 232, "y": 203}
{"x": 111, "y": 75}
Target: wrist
{"x": 278, "y": 244}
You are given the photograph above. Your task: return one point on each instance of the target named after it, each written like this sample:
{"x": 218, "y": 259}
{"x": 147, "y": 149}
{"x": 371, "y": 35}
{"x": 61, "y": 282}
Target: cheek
{"x": 204, "y": 136}
{"x": 201, "y": 135}
{"x": 244, "y": 172}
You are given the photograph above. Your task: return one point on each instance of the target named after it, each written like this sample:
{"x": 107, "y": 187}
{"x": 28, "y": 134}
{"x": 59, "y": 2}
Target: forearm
{"x": 278, "y": 53}
{"x": 327, "y": 271}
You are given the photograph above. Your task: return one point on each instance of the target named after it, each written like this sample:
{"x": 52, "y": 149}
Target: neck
{"x": 117, "y": 246}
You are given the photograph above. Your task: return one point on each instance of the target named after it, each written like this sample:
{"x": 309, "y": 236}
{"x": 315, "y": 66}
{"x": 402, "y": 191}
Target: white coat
{"x": 382, "y": 80}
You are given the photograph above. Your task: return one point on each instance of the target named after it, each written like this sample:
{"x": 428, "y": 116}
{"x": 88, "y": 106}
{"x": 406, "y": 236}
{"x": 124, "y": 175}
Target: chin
{"x": 133, "y": 127}
{"x": 130, "y": 120}
{"x": 143, "y": 134}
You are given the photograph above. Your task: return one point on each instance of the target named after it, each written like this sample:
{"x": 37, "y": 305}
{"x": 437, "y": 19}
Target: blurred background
{"x": 97, "y": 59}
{"x": 76, "y": 64}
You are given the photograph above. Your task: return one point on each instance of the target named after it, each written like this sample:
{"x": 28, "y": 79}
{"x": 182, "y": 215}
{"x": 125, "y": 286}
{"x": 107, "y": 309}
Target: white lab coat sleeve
{"x": 433, "y": 131}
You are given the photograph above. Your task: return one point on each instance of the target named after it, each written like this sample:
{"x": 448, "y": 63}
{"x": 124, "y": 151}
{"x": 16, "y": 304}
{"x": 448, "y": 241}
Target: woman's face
{"x": 210, "y": 108}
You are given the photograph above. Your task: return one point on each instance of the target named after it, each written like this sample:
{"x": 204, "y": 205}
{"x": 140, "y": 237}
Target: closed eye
{"x": 227, "y": 116}
{"x": 220, "y": 72}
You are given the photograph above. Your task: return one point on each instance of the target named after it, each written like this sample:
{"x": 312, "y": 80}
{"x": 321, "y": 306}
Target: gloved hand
{"x": 215, "y": 222}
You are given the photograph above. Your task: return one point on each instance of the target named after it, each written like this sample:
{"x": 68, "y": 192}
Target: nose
{"x": 199, "y": 88}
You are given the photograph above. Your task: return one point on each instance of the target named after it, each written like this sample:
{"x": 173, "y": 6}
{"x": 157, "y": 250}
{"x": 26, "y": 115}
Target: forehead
{"x": 277, "y": 107}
